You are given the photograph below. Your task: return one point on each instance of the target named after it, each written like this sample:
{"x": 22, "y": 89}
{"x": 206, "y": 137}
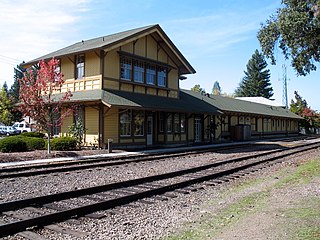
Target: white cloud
{"x": 33, "y": 28}
{"x": 214, "y": 33}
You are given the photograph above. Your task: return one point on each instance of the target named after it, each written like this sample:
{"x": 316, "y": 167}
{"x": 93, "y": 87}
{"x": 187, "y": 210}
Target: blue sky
{"x": 218, "y": 37}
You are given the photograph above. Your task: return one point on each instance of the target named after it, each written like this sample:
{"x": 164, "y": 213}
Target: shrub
{"x": 33, "y": 134}
{"x": 63, "y": 143}
{"x": 34, "y": 143}
{"x": 13, "y": 144}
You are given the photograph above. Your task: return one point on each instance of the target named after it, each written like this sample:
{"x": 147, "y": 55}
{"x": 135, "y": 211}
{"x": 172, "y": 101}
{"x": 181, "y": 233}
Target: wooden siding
{"x": 127, "y": 47}
{"x": 173, "y": 81}
{"x": 234, "y": 120}
{"x": 91, "y": 125}
{"x": 67, "y": 122}
{"x": 162, "y": 56}
{"x": 151, "y": 91}
{"x": 139, "y": 89}
{"x": 126, "y": 87}
{"x": 111, "y": 84}
{"x": 67, "y": 67}
{"x": 92, "y": 64}
{"x": 161, "y": 137}
{"x": 112, "y": 65}
{"x": 111, "y": 125}
{"x": 218, "y": 131}
{"x": 191, "y": 129}
{"x": 152, "y": 47}
{"x": 162, "y": 93}
{"x": 140, "y": 47}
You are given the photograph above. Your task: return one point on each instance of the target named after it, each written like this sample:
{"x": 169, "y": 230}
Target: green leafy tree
{"x": 256, "y": 82}
{"x": 14, "y": 92}
{"x": 295, "y": 29}
{"x": 197, "y": 88}
{"x": 77, "y": 131}
{"x": 37, "y": 96}
{"x": 300, "y": 107}
{"x": 216, "y": 90}
{"x": 6, "y": 106}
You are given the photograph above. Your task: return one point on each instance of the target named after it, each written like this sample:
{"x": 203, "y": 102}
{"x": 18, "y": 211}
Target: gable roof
{"x": 122, "y": 38}
{"x": 227, "y": 104}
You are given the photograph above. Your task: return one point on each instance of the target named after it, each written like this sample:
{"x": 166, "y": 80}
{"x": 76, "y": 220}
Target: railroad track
{"x": 66, "y": 166}
{"x": 47, "y": 168}
{"x": 58, "y": 207}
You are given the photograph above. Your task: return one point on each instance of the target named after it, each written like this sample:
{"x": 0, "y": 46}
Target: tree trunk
{"x": 49, "y": 147}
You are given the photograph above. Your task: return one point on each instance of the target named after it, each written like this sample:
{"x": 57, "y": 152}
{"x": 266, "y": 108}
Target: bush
{"x": 34, "y": 143}
{"x": 13, "y": 144}
{"x": 33, "y": 134}
{"x": 63, "y": 143}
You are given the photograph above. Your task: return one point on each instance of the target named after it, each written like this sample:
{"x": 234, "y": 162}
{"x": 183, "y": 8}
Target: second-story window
{"x": 126, "y": 69}
{"x": 151, "y": 74}
{"x": 138, "y": 71}
{"x": 162, "y": 76}
{"x": 80, "y": 66}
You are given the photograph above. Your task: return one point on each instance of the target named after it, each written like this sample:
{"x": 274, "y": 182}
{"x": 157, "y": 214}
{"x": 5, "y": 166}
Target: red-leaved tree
{"x": 38, "y": 99}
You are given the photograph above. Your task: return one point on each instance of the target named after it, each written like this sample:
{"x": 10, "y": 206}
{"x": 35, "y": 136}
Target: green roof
{"x": 189, "y": 102}
{"x": 227, "y": 104}
{"x": 113, "y": 98}
{"x": 110, "y": 40}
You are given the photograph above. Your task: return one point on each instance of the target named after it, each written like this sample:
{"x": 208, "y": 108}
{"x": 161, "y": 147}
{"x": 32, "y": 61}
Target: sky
{"x": 217, "y": 37}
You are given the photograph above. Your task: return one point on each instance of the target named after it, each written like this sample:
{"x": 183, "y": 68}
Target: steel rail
{"x": 18, "y": 226}
{"x": 26, "y": 171}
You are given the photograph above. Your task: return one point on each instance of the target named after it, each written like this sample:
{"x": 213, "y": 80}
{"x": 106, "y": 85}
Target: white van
{"x": 22, "y": 126}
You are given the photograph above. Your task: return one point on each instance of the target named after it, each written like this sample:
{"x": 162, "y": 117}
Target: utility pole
{"x": 285, "y": 86}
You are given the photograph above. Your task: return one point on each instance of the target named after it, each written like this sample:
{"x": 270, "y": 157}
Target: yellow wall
{"x": 234, "y": 120}
{"x": 173, "y": 79}
{"x": 112, "y": 65}
{"x": 139, "y": 89}
{"x": 152, "y": 47}
{"x": 218, "y": 130}
{"x": 92, "y": 64}
{"x": 126, "y": 87}
{"x": 259, "y": 123}
{"x": 91, "y": 125}
{"x": 140, "y": 47}
{"x": 111, "y": 84}
{"x": 151, "y": 91}
{"x": 191, "y": 128}
{"x": 111, "y": 125}
{"x": 67, "y": 122}
{"x": 162, "y": 93}
{"x": 127, "y": 47}
{"x": 67, "y": 68}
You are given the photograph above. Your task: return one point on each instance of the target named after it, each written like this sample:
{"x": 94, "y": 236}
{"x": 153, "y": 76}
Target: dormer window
{"x": 80, "y": 66}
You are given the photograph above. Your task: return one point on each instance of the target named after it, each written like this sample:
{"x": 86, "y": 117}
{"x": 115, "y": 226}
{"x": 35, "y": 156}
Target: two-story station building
{"x": 127, "y": 88}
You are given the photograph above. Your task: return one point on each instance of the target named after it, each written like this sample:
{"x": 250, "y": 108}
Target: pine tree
{"x": 216, "y": 90}
{"x": 256, "y": 82}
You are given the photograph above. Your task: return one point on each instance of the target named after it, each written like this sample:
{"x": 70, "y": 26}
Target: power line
{"x": 10, "y": 58}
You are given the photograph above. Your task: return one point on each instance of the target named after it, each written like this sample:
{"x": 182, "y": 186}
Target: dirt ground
{"x": 281, "y": 203}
